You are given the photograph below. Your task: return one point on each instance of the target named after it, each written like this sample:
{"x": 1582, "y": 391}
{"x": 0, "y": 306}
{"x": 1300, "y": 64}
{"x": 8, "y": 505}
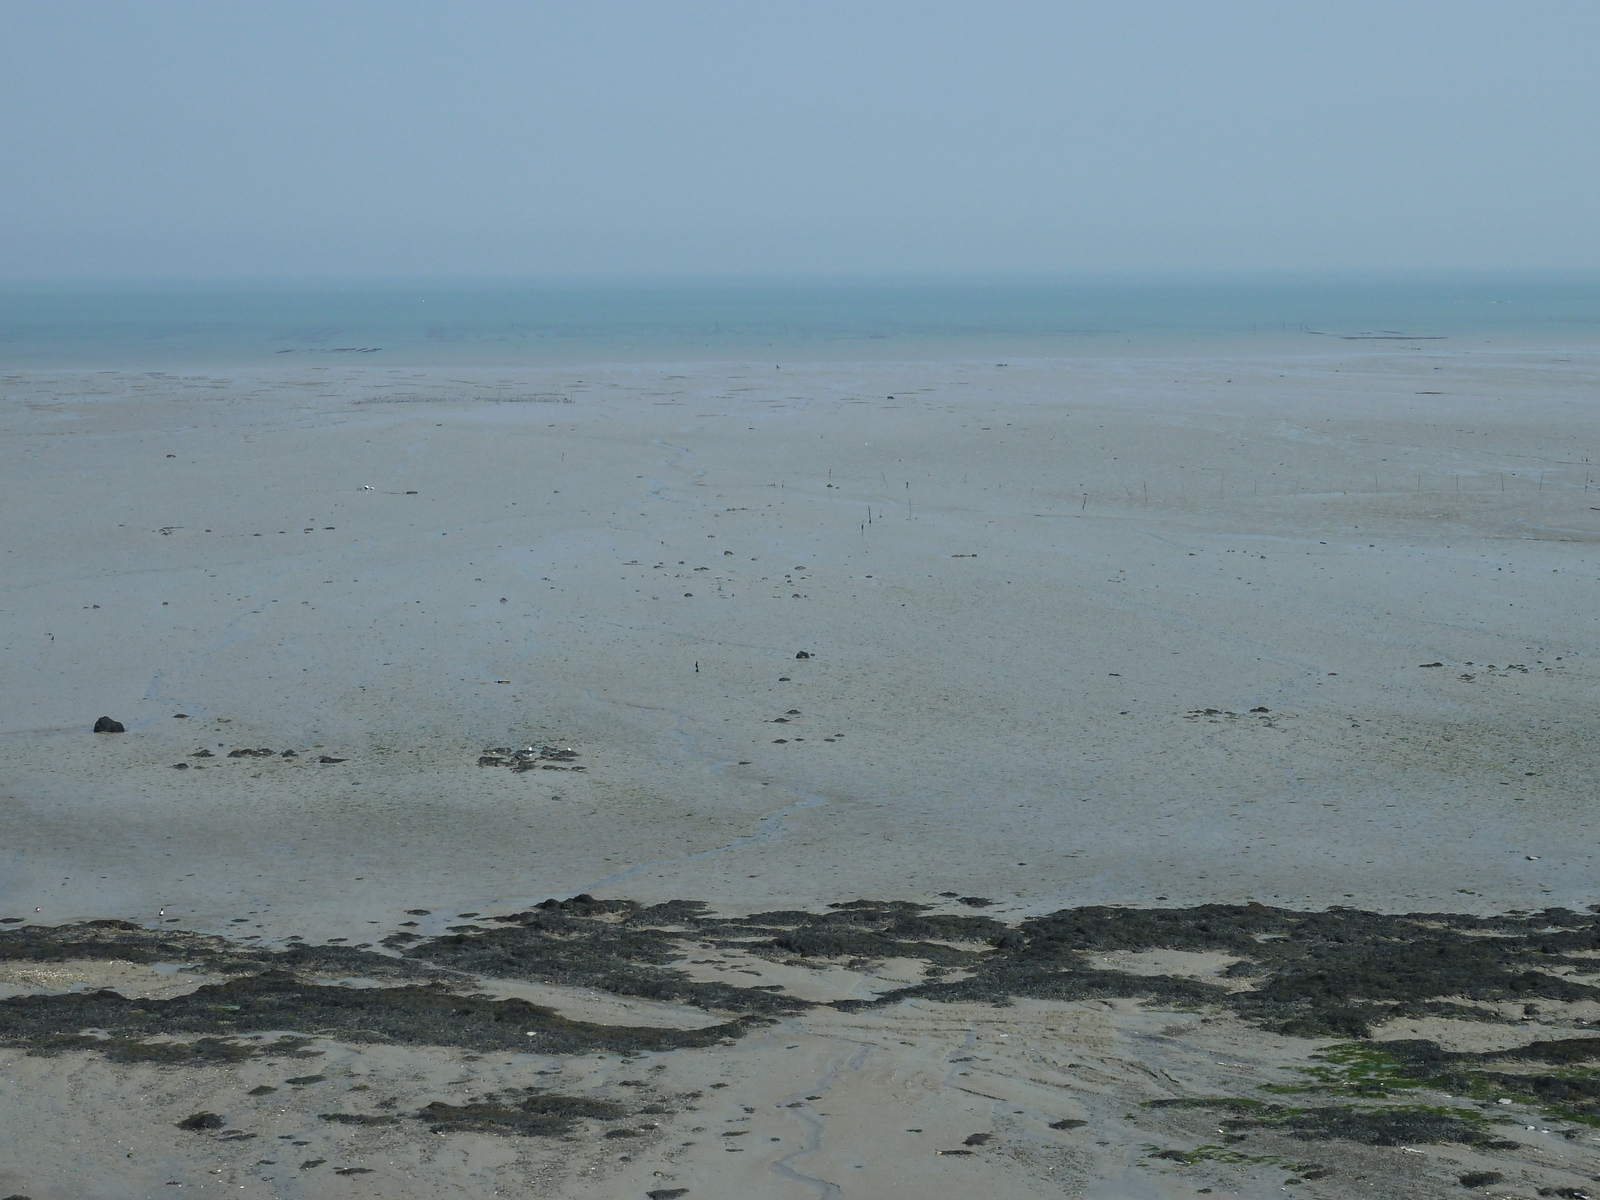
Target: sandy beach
{"x": 997, "y": 639}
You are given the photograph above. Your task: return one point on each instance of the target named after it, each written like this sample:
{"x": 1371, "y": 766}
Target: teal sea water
{"x": 127, "y": 326}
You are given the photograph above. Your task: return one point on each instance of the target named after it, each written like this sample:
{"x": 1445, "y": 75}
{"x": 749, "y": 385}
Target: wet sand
{"x": 1306, "y": 631}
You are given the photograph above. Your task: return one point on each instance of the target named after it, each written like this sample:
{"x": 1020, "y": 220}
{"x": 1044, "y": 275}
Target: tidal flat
{"x": 1102, "y": 777}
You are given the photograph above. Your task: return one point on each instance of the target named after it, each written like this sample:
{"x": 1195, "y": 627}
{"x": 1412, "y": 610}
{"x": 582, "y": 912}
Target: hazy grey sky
{"x": 160, "y": 138}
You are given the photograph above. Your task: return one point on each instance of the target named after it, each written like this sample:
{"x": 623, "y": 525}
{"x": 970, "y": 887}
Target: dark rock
{"x": 977, "y": 1139}
{"x": 180, "y": 716}
{"x": 180, "y": 766}
{"x": 667, "y": 1193}
{"x": 325, "y": 759}
{"x": 201, "y": 1120}
{"x": 1262, "y": 709}
{"x": 802, "y": 654}
{"x": 312, "y": 1162}
{"x": 1068, "y": 1124}
{"x": 202, "y": 754}
{"x": 975, "y": 901}
{"x": 358, "y": 1170}
{"x": 1480, "y": 1178}
{"x": 266, "y": 1089}
{"x": 107, "y": 725}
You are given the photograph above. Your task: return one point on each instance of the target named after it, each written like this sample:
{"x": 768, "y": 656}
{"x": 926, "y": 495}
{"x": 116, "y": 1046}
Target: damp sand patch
{"x": 136, "y": 981}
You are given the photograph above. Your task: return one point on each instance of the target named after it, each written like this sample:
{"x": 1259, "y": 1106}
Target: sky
{"x": 241, "y": 139}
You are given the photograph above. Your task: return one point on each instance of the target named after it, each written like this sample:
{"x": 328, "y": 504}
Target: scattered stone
{"x": 180, "y": 716}
{"x": 974, "y": 901}
{"x": 531, "y": 758}
{"x": 202, "y": 754}
{"x": 312, "y": 1162}
{"x": 1480, "y": 1178}
{"x": 803, "y": 654}
{"x": 107, "y": 725}
{"x": 1068, "y": 1124}
{"x": 266, "y": 1089}
{"x": 978, "y": 1139}
{"x": 328, "y": 759}
{"x": 180, "y": 766}
{"x": 199, "y": 1121}
{"x": 667, "y": 1193}
{"x": 249, "y": 753}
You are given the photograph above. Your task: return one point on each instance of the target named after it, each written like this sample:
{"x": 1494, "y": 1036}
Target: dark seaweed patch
{"x": 127, "y": 942}
{"x": 1389, "y": 1126}
{"x": 275, "y": 1000}
{"x": 357, "y": 1119}
{"x": 1310, "y": 973}
{"x": 1334, "y": 972}
{"x": 1571, "y": 1090}
{"x": 543, "y": 1115}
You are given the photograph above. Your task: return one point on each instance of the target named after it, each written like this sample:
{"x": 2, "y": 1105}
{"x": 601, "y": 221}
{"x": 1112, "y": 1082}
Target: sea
{"x": 405, "y": 324}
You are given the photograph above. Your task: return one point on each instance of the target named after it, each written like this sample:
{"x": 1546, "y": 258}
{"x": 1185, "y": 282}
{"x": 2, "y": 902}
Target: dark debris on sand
{"x": 540, "y": 1114}
{"x": 274, "y": 990}
{"x": 1395, "y": 1126}
{"x": 1314, "y": 974}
